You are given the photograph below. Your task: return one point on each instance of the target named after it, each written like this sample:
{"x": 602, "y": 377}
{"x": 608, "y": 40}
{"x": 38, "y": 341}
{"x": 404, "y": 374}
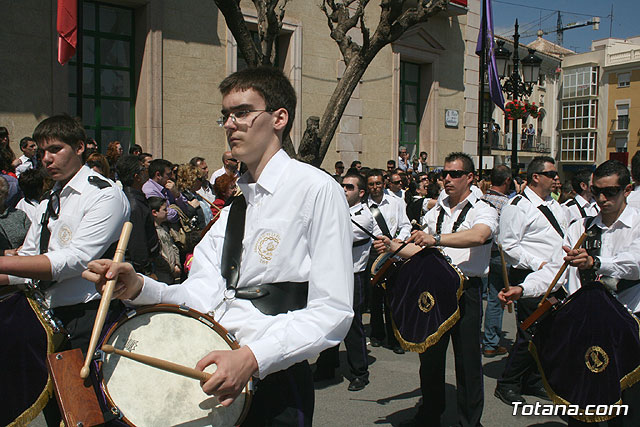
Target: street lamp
{"x": 514, "y": 84}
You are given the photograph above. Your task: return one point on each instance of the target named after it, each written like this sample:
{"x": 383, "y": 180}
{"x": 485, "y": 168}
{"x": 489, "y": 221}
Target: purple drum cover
{"x": 423, "y": 297}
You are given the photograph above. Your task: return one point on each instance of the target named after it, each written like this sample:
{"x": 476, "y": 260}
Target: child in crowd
{"x": 168, "y": 266}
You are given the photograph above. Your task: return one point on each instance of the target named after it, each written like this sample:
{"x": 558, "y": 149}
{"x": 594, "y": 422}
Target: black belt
{"x": 276, "y": 298}
{"x": 517, "y": 275}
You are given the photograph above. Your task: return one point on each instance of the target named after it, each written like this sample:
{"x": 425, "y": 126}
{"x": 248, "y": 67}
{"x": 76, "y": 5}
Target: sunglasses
{"x": 454, "y": 173}
{"x": 349, "y": 187}
{"x": 549, "y": 174}
{"x": 396, "y": 182}
{"x": 608, "y": 192}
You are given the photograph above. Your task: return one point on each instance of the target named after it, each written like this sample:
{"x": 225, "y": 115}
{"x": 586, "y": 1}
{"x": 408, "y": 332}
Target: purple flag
{"x": 486, "y": 46}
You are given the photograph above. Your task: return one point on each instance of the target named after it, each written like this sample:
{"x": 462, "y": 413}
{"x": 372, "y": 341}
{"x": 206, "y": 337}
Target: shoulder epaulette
{"x": 516, "y": 200}
{"x": 571, "y": 202}
{"x": 98, "y": 182}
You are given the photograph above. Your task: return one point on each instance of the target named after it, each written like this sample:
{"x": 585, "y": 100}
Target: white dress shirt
{"x": 634, "y": 198}
{"x": 572, "y": 211}
{"x": 394, "y": 214}
{"x": 27, "y": 163}
{"x": 473, "y": 262}
{"x": 216, "y": 174}
{"x": 297, "y": 229}
{"x": 619, "y": 258}
{"x": 90, "y": 220}
{"x": 29, "y": 207}
{"x": 526, "y": 235}
{"x": 360, "y": 213}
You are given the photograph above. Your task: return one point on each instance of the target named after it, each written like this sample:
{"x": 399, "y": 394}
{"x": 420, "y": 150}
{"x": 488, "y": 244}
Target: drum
{"x": 26, "y": 339}
{"x": 423, "y": 299}
{"x": 588, "y": 350}
{"x": 146, "y": 396}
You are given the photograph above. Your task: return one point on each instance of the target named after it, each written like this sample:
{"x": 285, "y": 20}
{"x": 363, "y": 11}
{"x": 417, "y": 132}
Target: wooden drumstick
{"x": 105, "y": 300}
{"x": 505, "y": 275}
{"x": 562, "y": 269}
{"x": 165, "y": 365}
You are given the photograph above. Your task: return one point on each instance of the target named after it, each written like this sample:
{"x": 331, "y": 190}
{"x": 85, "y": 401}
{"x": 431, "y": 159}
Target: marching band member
{"x": 462, "y": 224}
{"x": 583, "y": 204}
{"x": 296, "y": 238}
{"x": 616, "y": 231}
{"x": 532, "y": 227}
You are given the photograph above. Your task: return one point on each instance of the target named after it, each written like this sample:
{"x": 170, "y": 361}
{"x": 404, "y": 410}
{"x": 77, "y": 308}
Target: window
{"x": 580, "y": 82}
{"x": 621, "y": 145}
{"x": 108, "y": 88}
{"x": 579, "y": 114}
{"x": 623, "y": 116}
{"x": 578, "y": 146}
{"x": 409, "y": 106}
{"x": 624, "y": 79}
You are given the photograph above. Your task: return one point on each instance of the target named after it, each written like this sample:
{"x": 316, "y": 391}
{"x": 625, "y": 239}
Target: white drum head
{"x": 148, "y": 396}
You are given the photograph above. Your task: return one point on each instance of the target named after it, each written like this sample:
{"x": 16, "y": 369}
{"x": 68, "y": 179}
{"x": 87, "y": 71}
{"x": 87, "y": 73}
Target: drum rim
{"x": 203, "y": 318}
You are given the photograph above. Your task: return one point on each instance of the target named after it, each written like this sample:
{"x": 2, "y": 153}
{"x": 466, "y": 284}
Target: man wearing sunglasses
{"x": 394, "y": 186}
{"x": 229, "y": 166}
{"x": 462, "y": 225}
{"x": 617, "y": 264}
{"x": 79, "y": 221}
{"x": 532, "y": 227}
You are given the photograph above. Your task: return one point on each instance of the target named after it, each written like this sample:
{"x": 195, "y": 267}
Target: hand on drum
{"x": 578, "y": 258}
{"x": 128, "y": 285}
{"x": 234, "y": 369}
{"x": 422, "y": 239}
{"x": 382, "y": 244}
{"x": 507, "y": 297}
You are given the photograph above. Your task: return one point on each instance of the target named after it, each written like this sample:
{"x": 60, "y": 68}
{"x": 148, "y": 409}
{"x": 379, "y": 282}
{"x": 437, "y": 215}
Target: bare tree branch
{"x": 235, "y": 21}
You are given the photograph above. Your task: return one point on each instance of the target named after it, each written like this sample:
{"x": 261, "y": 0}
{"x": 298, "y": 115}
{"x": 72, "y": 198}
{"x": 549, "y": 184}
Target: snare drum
{"x": 147, "y": 396}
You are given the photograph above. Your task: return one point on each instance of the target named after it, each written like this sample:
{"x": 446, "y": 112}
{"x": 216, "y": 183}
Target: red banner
{"x": 67, "y": 27}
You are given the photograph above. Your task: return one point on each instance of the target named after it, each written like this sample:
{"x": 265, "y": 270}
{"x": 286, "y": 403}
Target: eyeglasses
{"x": 396, "y": 182}
{"x": 233, "y": 160}
{"x": 454, "y": 173}
{"x": 608, "y": 192}
{"x": 549, "y": 174}
{"x": 375, "y": 184}
{"x": 349, "y": 187}
{"x": 241, "y": 116}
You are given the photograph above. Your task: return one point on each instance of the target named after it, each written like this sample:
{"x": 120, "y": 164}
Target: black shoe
{"x": 538, "y": 392}
{"x": 508, "y": 396}
{"x": 357, "y": 384}
{"x": 375, "y": 342}
{"x": 324, "y": 374}
{"x": 398, "y": 350}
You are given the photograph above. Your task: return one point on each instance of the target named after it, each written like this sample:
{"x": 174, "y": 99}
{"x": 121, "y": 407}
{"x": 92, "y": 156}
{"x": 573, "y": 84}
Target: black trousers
{"x": 521, "y": 372}
{"x": 381, "y": 323}
{"x": 284, "y": 398}
{"x": 355, "y": 341}
{"x": 465, "y": 335}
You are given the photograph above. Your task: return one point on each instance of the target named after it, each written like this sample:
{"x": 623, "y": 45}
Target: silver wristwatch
{"x": 436, "y": 237}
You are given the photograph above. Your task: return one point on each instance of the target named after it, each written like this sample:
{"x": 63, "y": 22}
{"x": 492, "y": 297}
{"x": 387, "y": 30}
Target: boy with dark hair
{"x": 161, "y": 184}
{"x": 32, "y": 185}
{"x": 168, "y": 264}
{"x": 583, "y": 204}
{"x": 296, "y": 234}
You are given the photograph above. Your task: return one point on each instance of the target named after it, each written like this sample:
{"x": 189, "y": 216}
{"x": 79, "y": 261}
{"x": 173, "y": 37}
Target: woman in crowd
{"x": 189, "y": 181}
{"x": 100, "y": 164}
{"x": 114, "y": 152}
{"x": 224, "y": 187}
{"x": 14, "y": 223}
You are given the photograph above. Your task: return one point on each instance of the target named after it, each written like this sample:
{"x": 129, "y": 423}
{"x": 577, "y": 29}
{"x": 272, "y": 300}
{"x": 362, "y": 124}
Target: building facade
{"x": 150, "y": 71}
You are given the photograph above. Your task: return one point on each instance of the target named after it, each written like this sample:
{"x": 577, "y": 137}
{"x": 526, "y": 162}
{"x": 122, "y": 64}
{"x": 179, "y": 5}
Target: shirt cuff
{"x": 607, "y": 267}
{"x": 151, "y": 292}
{"x": 15, "y": 280}
{"x": 266, "y": 355}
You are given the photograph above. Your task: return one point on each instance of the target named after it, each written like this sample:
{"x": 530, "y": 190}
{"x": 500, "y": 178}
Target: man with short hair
{"x": 422, "y": 162}
{"x": 403, "y": 158}
{"x": 497, "y": 196}
{"x": 583, "y": 204}
{"x": 394, "y": 187}
{"x": 356, "y": 164}
{"x": 28, "y": 159}
{"x": 615, "y": 259}
{"x": 462, "y": 225}
{"x": 532, "y": 228}
{"x": 161, "y": 185}
{"x": 206, "y": 191}
{"x": 229, "y": 166}
{"x": 295, "y": 241}
{"x": 339, "y": 167}
{"x": 391, "y": 166}
{"x": 390, "y": 214}
{"x": 145, "y": 159}
{"x": 634, "y": 197}
{"x": 363, "y": 227}
{"x": 143, "y": 243}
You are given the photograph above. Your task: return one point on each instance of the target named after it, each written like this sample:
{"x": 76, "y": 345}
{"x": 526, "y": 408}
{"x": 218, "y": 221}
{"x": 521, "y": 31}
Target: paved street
{"x": 393, "y": 393}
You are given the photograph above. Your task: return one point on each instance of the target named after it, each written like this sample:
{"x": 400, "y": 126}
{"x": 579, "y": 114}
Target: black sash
{"x": 548, "y": 214}
{"x": 461, "y": 217}
{"x": 269, "y": 298}
{"x": 377, "y": 215}
{"x": 574, "y": 202}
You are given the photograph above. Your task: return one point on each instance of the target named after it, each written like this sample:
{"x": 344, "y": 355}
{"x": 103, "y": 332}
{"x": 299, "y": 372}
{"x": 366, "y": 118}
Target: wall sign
{"x": 451, "y": 118}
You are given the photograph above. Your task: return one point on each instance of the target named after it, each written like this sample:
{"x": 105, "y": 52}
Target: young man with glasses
{"x": 462, "y": 225}
{"x": 295, "y": 239}
{"x": 617, "y": 264}
{"x": 390, "y": 214}
{"x": 532, "y": 228}
{"x": 79, "y": 221}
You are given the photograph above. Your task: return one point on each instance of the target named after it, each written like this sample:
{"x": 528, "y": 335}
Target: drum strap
{"x": 549, "y": 215}
{"x": 592, "y": 244}
{"x": 269, "y": 298}
{"x": 377, "y": 215}
{"x": 461, "y": 217}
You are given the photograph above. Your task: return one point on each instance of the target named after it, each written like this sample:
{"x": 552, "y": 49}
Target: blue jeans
{"x": 494, "y": 312}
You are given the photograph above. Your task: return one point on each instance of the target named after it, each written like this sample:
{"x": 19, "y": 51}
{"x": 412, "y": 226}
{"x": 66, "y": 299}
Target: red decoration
{"x": 67, "y": 27}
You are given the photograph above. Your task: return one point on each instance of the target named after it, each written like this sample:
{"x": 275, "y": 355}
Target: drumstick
{"x": 105, "y": 300}
{"x": 505, "y": 275}
{"x": 165, "y": 365}
{"x": 562, "y": 269}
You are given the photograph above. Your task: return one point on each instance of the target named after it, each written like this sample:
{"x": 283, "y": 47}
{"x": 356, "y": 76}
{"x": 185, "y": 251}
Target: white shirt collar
{"x": 79, "y": 181}
{"x": 471, "y": 198}
{"x": 355, "y": 208}
{"x": 386, "y": 198}
{"x": 535, "y": 199}
{"x": 625, "y": 218}
{"x": 269, "y": 177}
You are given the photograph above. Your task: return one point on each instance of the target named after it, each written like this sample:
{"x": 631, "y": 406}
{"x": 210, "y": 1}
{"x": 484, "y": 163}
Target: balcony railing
{"x": 532, "y": 144}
